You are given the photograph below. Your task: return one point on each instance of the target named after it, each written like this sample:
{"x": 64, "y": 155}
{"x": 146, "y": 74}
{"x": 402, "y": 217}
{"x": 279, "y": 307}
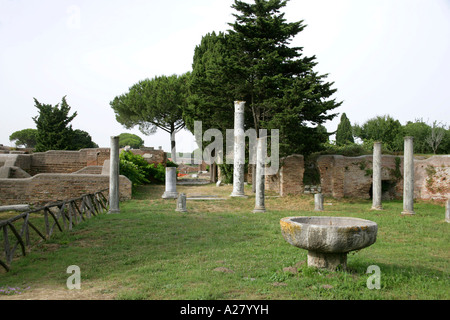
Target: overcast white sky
{"x": 385, "y": 56}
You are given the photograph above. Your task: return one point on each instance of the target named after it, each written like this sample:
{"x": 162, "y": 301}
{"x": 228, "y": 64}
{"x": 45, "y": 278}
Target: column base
{"x": 329, "y": 261}
{"x": 259, "y": 209}
{"x": 170, "y": 195}
{"x": 238, "y": 195}
{"x": 180, "y": 210}
{"x": 376, "y": 208}
{"x": 408, "y": 213}
{"x": 113, "y": 211}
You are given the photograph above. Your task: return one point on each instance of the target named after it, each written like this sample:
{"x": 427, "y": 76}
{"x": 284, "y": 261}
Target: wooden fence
{"x": 63, "y": 215}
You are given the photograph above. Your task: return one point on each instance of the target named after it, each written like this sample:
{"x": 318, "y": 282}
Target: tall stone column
{"x": 114, "y": 176}
{"x": 259, "y": 176}
{"x": 376, "y": 183}
{"x": 239, "y": 150}
{"x": 408, "y": 177}
{"x": 171, "y": 183}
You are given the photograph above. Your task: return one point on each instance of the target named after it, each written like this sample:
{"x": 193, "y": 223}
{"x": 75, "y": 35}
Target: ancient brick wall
{"x": 58, "y": 161}
{"x": 291, "y": 175}
{"x": 352, "y": 176}
{"x": 289, "y": 179}
{"x": 432, "y": 178}
{"x": 151, "y": 155}
{"x": 47, "y": 187}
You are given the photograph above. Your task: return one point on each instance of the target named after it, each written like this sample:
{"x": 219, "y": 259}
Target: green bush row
{"x": 139, "y": 171}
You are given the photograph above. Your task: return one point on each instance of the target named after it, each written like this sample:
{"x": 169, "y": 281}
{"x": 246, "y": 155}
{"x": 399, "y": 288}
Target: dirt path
{"x": 48, "y": 293}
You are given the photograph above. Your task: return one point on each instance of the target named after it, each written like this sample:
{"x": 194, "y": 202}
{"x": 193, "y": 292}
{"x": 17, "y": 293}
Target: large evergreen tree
{"x": 81, "y": 139}
{"x": 254, "y": 62}
{"x": 344, "y": 133}
{"x": 54, "y": 131}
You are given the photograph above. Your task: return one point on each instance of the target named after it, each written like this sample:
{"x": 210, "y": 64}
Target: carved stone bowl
{"x": 328, "y": 239}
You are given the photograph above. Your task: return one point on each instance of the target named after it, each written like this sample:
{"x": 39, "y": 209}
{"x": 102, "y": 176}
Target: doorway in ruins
{"x": 387, "y": 190}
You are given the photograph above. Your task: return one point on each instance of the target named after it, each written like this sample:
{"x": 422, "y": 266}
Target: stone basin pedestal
{"x": 328, "y": 239}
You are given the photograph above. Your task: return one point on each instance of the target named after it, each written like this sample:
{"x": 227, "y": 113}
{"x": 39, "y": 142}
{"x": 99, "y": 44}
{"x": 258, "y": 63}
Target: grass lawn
{"x": 221, "y": 250}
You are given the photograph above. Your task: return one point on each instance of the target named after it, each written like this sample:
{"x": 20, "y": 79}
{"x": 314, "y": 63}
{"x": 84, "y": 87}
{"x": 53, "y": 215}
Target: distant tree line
{"x": 431, "y": 138}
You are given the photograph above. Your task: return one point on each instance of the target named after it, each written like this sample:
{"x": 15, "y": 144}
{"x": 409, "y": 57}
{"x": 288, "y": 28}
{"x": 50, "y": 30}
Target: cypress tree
{"x": 54, "y": 131}
{"x": 254, "y": 62}
{"x": 344, "y": 133}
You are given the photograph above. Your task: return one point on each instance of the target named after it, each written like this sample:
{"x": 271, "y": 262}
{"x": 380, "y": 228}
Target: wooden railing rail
{"x": 62, "y": 214}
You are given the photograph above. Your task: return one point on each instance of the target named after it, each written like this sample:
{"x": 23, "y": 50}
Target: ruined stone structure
{"x": 289, "y": 179}
{"x": 57, "y": 175}
{"x": 352, "y": 177}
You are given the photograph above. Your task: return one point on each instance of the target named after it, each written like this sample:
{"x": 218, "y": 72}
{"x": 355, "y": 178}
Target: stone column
{"x": 376, "y": 183}
{"x": 239, "y": 150}
{"x": 259, "y": 176}
{"x": 408, "y": 177}
{"x": 318, "y": 202}
{"x": 114, "y": 176}
{"x": 181, "y": 203}
{"x": 447, "y": 211}
{"x": 171, "y": 183}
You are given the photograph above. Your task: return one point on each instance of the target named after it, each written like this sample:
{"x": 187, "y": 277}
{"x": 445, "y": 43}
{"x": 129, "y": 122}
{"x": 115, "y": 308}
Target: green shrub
{"x": 139, "y": 171}
{"x": 158, "y": 173}
{"x": 132, "y": 172}
{"x": 135, "y": 168}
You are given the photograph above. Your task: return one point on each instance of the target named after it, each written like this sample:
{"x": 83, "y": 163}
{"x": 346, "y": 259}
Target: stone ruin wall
{"x": 352, "y": 177}
{"x": 58, "y": 175}
{"x": 48, "y": 187}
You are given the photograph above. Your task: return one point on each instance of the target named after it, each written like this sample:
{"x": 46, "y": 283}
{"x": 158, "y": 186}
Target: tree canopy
{"x": 344, "y": 133}
{"x": 129, "y": 139}
{"x": 54, "y": 131}
{"x": 253, "y": 62}
{"x": 153, "y": 103}
{"x": 434, "y": 138}
{"x": 381, "y": 128}
{"x": 25, "y": 137}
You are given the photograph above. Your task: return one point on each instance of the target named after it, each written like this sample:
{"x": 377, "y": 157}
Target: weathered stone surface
{"x": 47, "y": 187}
{"x": 114, "y": 176}
{"x": 376, "y": 180}
{"x": 408, "y": 177}
{"x": 291, "y": 175}
{"x": 181, "y": 203}
{"x": 289, "y": 179}
{"x": 328, "y": 239}
{"x": 330, "y": 261}
{"x": 171, "y": 183}
{"x": 318, "y": 202}
{"x": 239, "y": 150}
{"x": 259, "y": 179}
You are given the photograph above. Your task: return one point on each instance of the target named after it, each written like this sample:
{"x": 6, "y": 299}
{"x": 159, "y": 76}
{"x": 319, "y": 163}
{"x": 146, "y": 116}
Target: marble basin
{"x": 328, "y": 239}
